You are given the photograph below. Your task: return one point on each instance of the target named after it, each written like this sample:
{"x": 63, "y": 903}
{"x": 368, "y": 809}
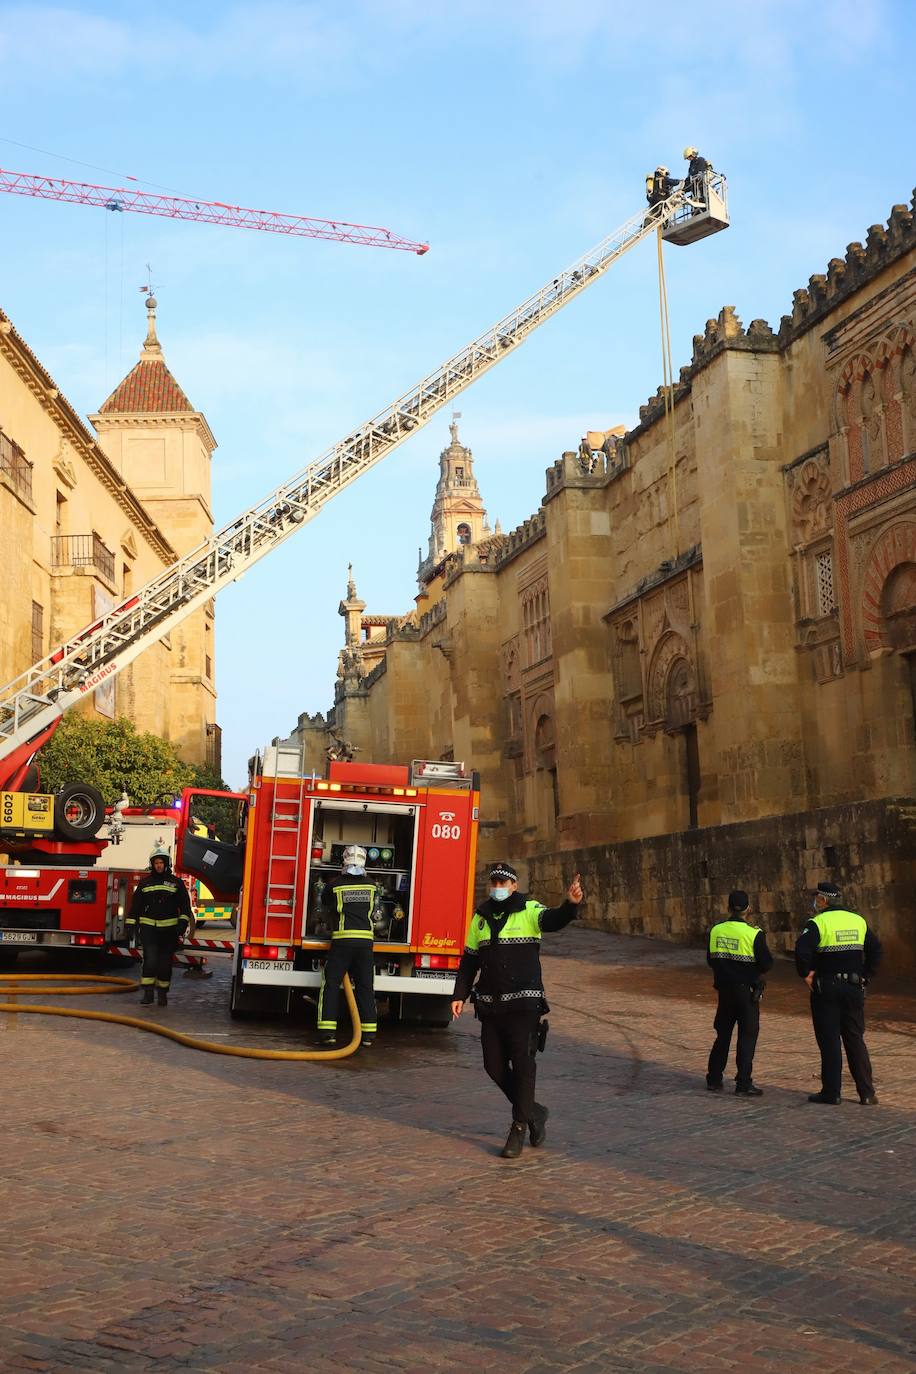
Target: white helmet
{"x": 354, "y": 857}
{"x": 690, "y": 152}
{"x": 661, "y": 171}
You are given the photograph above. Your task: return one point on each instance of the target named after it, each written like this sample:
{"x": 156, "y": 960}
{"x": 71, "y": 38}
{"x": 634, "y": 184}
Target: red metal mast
{"x": 208, "y": 211}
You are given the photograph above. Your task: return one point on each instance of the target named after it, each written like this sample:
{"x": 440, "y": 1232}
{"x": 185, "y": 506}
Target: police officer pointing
{"x": 503, "y": 948}
{"x": 836, "y": 954}
{"x": 738, "y": 956}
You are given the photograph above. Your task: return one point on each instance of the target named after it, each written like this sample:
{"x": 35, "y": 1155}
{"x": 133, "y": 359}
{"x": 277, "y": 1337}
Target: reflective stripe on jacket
{"x": 840, "y": 932}
{"x": 503, "y": 947}
{"x": 733, "y": 942}
{"x": 352, "y": 903}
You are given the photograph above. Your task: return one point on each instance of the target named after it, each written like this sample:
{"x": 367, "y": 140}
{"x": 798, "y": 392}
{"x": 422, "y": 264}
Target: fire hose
{"x": 89, "y": 986}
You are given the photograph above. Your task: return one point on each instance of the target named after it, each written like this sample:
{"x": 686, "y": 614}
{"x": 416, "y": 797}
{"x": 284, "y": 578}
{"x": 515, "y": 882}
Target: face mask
{"x": 499, "y": 894}
{"x": 814, "y": 905}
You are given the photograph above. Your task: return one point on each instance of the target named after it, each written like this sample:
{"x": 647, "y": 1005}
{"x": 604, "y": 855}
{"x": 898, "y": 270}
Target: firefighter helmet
{"x": 661, "y": 171}
{"x": 690, "y": 152}
{"x": 160, "y": 853}
{"x": 354, "y": 856}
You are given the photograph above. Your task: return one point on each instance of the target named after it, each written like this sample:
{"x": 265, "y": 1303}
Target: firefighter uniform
{"x": 161, "y": 907}
{"x": 738, "y": 956}
{"x": 503, "y": 954}
{"x": 350, "y": 901}
{"x": 836, "y": 954}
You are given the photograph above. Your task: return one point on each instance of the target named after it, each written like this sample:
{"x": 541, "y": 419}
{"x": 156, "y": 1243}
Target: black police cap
{"x": 504, "y": 870}
{"x": 738, "y": 900}
{"x": 828, "y": 889}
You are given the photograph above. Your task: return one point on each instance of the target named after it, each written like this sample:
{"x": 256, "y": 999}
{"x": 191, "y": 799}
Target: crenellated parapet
{"x": 884, "y": 244}
{"x": 522, "y": 537}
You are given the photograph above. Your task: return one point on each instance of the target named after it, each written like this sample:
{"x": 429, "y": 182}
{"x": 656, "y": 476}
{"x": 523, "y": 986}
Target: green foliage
{"x": 114, "y": 757}
{"x": 223, "y": 814}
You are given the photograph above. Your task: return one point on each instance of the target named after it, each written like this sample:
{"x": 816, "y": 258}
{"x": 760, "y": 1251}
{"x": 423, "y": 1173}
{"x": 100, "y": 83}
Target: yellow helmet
{"x": 690, "y": 152}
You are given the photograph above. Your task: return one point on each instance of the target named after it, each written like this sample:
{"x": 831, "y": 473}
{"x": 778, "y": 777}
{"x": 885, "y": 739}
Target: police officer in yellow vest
{"x": 503, "y": 947}
{"x": 836, "y": 954}
{"x": 738, "y": 956}
{"x": 350, "y": 902}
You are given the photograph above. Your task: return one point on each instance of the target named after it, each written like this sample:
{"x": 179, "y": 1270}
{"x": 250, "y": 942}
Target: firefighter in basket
{"x": 349, "y": 904}
{"x": 161, "y": 907}
{"x": 504, "y": 948}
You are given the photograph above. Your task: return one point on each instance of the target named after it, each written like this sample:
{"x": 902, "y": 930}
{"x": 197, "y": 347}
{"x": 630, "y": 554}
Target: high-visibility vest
{"x": 732, "y": 942}
{"x": 840, "y": 932}
{"x": 521, "y": 927}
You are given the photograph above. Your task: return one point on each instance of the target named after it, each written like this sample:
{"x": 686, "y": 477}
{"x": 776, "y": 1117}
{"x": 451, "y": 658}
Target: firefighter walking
{"x": 350, "y": 902}
{"x": 503, "y": 955}
{"x": 161, "y": 907}
{"x": 836, "y": 954}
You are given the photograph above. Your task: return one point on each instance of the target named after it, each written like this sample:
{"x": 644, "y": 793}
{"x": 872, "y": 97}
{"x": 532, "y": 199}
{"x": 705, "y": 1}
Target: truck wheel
{"x": 79, "y": 811}
{"x": 8, "y": 958}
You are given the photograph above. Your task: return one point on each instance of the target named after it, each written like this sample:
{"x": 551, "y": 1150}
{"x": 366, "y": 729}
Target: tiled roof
{"x": 148, "y": 389}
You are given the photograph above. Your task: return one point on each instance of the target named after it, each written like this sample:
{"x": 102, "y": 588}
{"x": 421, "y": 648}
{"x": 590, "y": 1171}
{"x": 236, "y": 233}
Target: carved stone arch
{"x": 889, "y": 590}
{"x": 542, "y": 732}
{"x": 855, "y": 390}
{"x": 811, "y": 508}
{"x": 672, "y": 691}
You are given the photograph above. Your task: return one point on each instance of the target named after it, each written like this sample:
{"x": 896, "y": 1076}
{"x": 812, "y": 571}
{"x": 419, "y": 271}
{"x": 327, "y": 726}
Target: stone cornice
{"x": 665, "y": 572}
{"x": 45, "y": 389}
{"x": 185, "y": 419}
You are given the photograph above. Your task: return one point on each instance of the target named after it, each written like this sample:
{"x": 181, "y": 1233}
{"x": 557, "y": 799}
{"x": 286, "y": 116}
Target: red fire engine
{"x": 418, "y": 825}
{"x": 70, "y": 880}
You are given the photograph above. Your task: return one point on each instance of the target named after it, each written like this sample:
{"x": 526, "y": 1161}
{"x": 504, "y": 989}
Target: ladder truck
{"x": 32, "y": 704}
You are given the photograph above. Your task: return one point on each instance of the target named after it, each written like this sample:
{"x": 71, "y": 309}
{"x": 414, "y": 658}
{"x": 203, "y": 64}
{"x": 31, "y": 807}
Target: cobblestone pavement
{"x": 166, "y": 1210}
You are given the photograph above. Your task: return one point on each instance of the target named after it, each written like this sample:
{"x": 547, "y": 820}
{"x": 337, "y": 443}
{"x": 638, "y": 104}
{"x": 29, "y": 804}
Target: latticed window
{"x": 536, "y": 624}
{"x": 823, "y": 574}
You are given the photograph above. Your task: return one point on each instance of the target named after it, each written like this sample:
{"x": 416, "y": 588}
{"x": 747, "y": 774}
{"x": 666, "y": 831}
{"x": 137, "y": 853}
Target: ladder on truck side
{"x": 31, "y": 704}
{"x": 284, "y": 852}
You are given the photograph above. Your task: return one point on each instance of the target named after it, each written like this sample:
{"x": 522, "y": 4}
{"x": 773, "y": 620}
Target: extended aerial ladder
{"x": 32, "y": 704}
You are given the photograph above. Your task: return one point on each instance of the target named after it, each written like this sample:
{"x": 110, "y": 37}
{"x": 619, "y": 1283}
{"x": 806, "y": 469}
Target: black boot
{"x": 162, "y": 997}
{"x": 537, "y": 1126}
{"x": 825, "y": 1099}
{"x": 748, "y": 1090}
{"x": 147, "y": 999}
{"x": 327, "y": 1039}
{"x": 515, "y": 1140}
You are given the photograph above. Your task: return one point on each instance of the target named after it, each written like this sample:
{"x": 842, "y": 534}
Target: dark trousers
{"x": 838, "y": 1013}
{"x": 509, "y": 1043}
{"x": 158, "y": 947}
{"x": 353, "y": 957}
{"x": 736, "y": 1007}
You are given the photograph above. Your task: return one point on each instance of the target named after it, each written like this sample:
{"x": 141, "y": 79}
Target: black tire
{"x": 9, "y": 957}
{"x": 79, "y": 811}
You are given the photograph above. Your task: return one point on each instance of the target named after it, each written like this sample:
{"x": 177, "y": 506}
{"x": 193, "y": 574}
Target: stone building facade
{"x": 86, "y": 520}
{"x": 695, "y": 665}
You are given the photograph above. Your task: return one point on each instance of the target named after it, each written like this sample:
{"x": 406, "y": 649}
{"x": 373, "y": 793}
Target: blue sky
{"x": 509, "y": 136}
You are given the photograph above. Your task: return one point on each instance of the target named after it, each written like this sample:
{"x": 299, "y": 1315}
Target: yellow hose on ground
{"x": 8, "y": 988}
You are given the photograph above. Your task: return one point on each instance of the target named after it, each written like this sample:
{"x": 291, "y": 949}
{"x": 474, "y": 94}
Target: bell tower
{"x": 162, "y": 447}
{"x": 458, "y": 515}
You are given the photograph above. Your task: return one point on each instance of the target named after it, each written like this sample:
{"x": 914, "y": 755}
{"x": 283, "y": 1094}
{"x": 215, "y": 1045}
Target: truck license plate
{"x": 269, "y": 965}
{"x": 18, "y": 937}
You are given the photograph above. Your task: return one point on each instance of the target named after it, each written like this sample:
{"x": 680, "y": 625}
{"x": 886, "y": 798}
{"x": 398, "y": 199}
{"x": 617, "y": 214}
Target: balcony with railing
{"x": 82, "y": 551}
{"x": 15, "y": 468}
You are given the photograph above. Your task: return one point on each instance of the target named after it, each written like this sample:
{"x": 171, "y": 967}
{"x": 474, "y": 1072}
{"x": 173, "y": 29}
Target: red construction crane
{"x": 209, "y": 211}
